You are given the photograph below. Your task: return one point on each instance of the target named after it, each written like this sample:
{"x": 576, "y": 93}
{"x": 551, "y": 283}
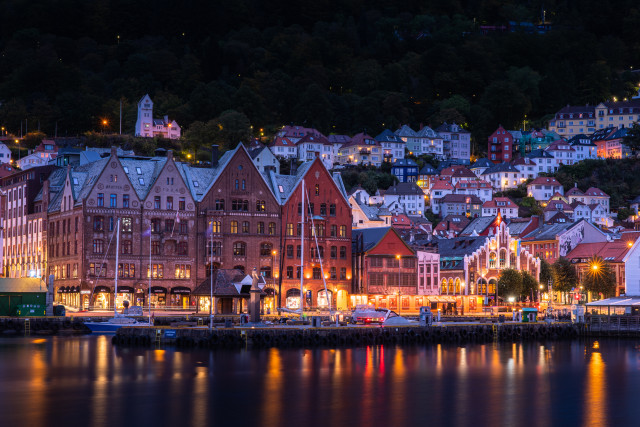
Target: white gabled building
{"x": 563, "y": 153}
{"x": 500, "y": 205}
{"x": 585, "y": 148}
{"x": 392, "y": 146}
{"x": 502, "y": 176}
{"x": 282, "y": 146}
{"x": 409, "y": 137}
{"x": 264, "y": 159}
{"x": 5, "y": 154}
{"x": 431, "y": 142}
{"x": 148, "y": 127}
{"x": 543, "y": 188}
{"x": 408, "y": 196}
{"x": 544, "y": 161}
{"x": 312, "y": 146}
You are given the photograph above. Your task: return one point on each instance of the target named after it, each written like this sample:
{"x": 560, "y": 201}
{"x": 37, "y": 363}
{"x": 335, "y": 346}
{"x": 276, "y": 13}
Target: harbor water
{"x": 85, "y": 381}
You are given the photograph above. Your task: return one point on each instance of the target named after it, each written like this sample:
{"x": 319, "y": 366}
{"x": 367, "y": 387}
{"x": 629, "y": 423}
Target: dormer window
{"x": 126, "y": 169}
{"x": 138, "y": 171}
{"x": 141, "y": 181}
{"x": 196, "y": 184}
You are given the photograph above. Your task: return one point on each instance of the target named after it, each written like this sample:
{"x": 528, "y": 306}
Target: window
{"x": 156, "y": 271}
{"x": 219, "y": 204}
{"x": 216, "y": 227}
{"x": 265, "y": 249}
{"x": 234, "y": 227}
{"x": 156, "y": 202}
{"x": 169, "y": 225}
{"x": 141, "y": 181}
{"x": 155, "y": 247}
{"x": 239, "y": 249}
{"x": 334, "y": 252}
{"x": 272, "y": 228}
{"x": 98, "y": 223}
{"x": 100, "y": 199}
{"x": 317, "y": 189}
{"x": 184, "y": 227}
{"x": 111, "y": 223}
{"x": 261, "y": 205}
{"x": 170, "y": 203}
{"x": 127, "y": 247}
{"x": 98, "y": 246}
{"x": 298, "y": 272}
{"x": 127, "y": 271}
{"x": 343, "y": 273}
{"x": 245, "y": 227}
{"x": 125, "y": 200}
{"x": 237, "y": 185}
{"x": 334, "y": 230}
{"x": 290, "y": 272}
{"x": 139, "y": 171}
{"x": 156, "y": 225}
{"x": 343, "y": 252}
{"x": 323, "y": 209}
{"x": 260, "y": 229}
{"x": 332, "y": 273}
{"x": 96, "y": 269}
{"x": 289, "y": 251}
{"x": 217, "y": 248}
{"x": 181, "y": 203}
{"x": 298, "y": 251}
{"x": 183, "y": 271}
{"x": 343, "y": 231}
{"x": 316, "y": 273}
{"x": 492, "y": 260}
{"x": 183, "y": 248}
{"x": 244, "y": 184}
{"x": 240, "y": 205}
{"x": 113, "y": 201}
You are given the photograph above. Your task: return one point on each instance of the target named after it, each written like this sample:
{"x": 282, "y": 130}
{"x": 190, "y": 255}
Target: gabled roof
{"x": 545, "y": 180}
{"x": 450, "y": 127}
{"x": 461, "y": 198}
{"x": 405, "y": 131}
{"x": 493, "y": 203}
{"x": 455, "y": 223}
{"x": 609, "y": 251}
{"x": 500, "y": 167}
{"x": 282, "y": 141}
{"x": 538, "y": 154}
{"x": 313, "y": 139}
{"x": 388, "y": 136}
{"x": 427, "y": 132}
{"x": 457, "y": 172}
{"x": 595, "y": 192}
{"x": 339, "y": 139}
{"x": 473, "y": 184}
{"x": 404, "y": 188}
{"x": 430, "y": 170}
{"x": 460, "y": 246}
{"x": 361, "y": 139}
{"x": 200, "y": 180}
{"x": 524, "y": 161}
{"x": 559, "y": 218}
{"x": 552, "y": 205}
{"x": 371, "y": 237}
{"x": 403, "y": 163}
{"x": 481, "y": 163}
{"x": 442, "y": 185}
{"x": 547, "y": 231}
{"x": 555, "y": 146}
{"x": 478, "y": 225}
{"x": 573, "y": 191}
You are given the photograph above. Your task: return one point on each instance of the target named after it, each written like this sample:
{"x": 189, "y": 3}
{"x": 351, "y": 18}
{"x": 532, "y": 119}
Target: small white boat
{"x": 113, "y": 324}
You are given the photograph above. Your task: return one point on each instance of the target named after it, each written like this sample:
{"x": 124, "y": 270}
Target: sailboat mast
{"x": 302, "y": 254}
{"x": 115, "y": 292}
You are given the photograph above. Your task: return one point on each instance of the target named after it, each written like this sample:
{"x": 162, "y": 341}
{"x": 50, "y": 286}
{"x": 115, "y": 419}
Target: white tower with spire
{"x": 144, "y": 123}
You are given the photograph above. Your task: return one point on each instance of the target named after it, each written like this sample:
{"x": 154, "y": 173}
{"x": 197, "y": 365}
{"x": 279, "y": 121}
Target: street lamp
{"x": 104, "y": 125}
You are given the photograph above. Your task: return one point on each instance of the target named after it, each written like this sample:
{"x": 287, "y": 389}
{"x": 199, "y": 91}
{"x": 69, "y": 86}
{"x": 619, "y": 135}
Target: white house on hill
{"x": 148, "y": 127}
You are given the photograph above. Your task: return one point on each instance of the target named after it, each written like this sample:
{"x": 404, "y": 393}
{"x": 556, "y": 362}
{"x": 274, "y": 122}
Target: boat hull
{"x": 103, "y": 327}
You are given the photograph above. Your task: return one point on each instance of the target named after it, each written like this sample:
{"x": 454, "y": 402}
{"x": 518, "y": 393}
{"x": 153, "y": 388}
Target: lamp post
{"x": 104, "y": 125}
{"x": 398, "y": 258}
{"x": 273, "y": 273}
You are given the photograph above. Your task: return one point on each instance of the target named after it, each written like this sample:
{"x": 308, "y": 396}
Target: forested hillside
{"x": 338, "y": 66}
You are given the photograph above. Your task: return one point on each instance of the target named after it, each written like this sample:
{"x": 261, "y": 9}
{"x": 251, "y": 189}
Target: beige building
{"x": 574, "y": 120}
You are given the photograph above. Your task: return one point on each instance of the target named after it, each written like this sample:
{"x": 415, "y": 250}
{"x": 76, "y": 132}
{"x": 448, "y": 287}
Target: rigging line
{"x": 315, "y": 235}
{"x": 93, "y": 291}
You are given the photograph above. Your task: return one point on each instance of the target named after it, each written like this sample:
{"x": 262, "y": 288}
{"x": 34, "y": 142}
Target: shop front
{"x": 125, "y": 293}
{"x": 269, "y": 301}
{"x": 69, "y": 296}
{"x": 293, "y": 299}
{"x": 102, "y": 297}
{"x": 180, "y": 297}
{"x": 140, "y": 295}
{"x": 158, "y": 296}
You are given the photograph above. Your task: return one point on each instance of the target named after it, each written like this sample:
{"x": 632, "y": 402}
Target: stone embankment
{"x": 11, "y": 326}
{"x": 343, "y": 336}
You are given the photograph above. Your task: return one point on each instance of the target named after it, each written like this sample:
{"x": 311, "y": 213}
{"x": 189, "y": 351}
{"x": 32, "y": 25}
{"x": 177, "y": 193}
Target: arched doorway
{"x": 293, "y": 299}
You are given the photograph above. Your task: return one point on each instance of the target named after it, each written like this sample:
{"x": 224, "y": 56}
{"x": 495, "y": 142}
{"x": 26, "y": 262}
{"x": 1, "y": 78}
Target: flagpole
{"x": 150, "y": 275}
{"x": 211, "y": 290}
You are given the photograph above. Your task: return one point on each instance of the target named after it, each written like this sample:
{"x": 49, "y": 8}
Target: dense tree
{"x": 510, "y": 283}
{"x": 343, "y": 67}
{"x": 564, "y": 275}
{"x": 599, "y": 278}
{"x": 546, "y": 274}
{"x": 529, "y": 285}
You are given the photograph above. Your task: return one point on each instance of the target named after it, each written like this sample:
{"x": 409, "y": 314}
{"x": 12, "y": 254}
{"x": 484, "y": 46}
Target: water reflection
{"x": 85, "y": 381}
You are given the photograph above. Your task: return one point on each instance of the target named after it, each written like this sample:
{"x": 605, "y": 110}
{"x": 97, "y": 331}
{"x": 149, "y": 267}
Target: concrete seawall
{"x": 342, "y": 336}
{"x": 13, "y": 326}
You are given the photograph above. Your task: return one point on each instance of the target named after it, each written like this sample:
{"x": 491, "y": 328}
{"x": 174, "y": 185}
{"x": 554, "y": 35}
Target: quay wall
{"x": 342, "y": 336}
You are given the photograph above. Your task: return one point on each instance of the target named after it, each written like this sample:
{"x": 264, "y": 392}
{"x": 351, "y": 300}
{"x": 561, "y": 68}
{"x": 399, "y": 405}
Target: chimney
{"x": 214, "y": 155}
{"x": 169, "y": 154}
{"x": 166, "y": 119}
{"x": 114, "y": 151}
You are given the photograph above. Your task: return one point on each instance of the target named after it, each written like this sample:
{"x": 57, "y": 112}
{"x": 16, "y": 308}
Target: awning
{"x": 442, "y": 299}
{"x": 99, "y": 289}
{"x": 180, "y": 290}
{"x": 74, "y": 289}
{"x": 269, "y": 291}
{"x": 62, "y": 290}
{"x": 615, "y": 301}
{"x": 158, "y": 290}
{"x": 125, "y": 290}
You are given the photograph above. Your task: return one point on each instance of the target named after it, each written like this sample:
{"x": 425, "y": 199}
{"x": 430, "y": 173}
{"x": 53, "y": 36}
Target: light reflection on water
{"x": 86, "y": 381}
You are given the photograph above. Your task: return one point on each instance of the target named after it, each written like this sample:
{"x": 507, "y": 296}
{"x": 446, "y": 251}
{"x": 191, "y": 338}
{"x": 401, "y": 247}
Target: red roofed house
{"x": 438, "y": 191}
{"x": 478, "y": 187}
{"x": 500, "y": 205}
{"x": 361, "y": 150}
{"x": 500, "y": 146}
{"x": 543, "y": 188}
{"x": 562, "y": 152}
{"x": 458, "y": 174}
{"x": 451, "y": 226}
